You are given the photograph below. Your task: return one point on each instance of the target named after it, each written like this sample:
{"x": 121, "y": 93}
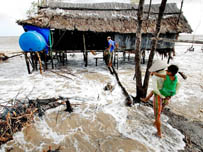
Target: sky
{"x": 11, "y": 10}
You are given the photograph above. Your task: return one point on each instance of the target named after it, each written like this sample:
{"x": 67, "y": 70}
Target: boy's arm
{"x": 177, "y": 87}
{"x": 158, "y": 75}
{"x": 156, "y": 87}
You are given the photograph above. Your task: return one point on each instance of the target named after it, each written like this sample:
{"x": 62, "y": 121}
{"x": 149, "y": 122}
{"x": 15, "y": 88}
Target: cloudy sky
{"x": 12, "y": 10}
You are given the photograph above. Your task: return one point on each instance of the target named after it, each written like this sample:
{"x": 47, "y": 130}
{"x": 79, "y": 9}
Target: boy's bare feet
{"x": 154, "y": 124}
{"x": 157, "y": 134}
{"x": 143, "y": 99}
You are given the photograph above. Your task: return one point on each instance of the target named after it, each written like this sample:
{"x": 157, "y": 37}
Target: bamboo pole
{"x": 40, "y": 62}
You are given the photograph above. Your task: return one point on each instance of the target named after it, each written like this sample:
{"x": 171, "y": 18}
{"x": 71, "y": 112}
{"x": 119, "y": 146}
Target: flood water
{"x": 100, "y": 121}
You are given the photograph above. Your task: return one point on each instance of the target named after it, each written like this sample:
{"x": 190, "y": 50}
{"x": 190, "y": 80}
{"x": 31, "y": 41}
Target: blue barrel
{"x": 32, "y": 41}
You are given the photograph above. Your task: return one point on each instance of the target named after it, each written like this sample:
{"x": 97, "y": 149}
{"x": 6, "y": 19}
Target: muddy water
{"x": 94, "y": 131}
{"x": 101, "y": 122}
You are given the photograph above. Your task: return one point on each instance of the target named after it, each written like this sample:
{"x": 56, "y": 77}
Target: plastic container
{"x": 32, "y": 41}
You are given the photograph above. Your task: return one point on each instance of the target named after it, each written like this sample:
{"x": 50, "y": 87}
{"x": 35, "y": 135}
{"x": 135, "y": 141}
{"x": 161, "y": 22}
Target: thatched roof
{"x": 107, "y": 17}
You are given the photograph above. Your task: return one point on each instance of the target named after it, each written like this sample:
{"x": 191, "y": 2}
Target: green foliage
{"x": 33, "y": 9}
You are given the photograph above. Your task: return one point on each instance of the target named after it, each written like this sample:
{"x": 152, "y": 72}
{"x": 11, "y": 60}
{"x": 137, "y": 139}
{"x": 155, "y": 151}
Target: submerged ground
{"x": 100, "y": 121}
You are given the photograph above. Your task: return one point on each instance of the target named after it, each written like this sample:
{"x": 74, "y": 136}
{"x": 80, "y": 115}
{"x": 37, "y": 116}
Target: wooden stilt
{"x": 45, "y": 61}
{"x": 143, "y": 56}
{"x": 51, "y": 51}
{"x": 32, "y": 59}
{"x": 27, "y": 63}
{"x": 40, "y": 62}
{"x": 85, "y": 52}
{"x": 169, "y": 56}
{"x": 63, "y": 56}
{"x": 35, "y": 61}
{"x": 52, "y": 63}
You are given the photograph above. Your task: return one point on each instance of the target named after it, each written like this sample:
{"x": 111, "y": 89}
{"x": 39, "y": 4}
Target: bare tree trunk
{"x": 138, "y": 73}
{"x": 154, "y": 44}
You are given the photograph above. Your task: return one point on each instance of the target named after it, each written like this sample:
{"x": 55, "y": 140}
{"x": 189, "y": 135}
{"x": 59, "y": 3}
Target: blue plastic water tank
{"x": 32, "y": 41}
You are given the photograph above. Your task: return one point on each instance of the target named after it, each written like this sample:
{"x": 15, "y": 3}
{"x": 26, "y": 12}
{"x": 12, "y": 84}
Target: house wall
{"x": 127, "y": 41}
{"x": 73, "y": 40}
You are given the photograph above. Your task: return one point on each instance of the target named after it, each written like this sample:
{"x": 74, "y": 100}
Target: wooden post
{"x": 63, "y": 58}
{"x": 143, "y": 55}
{"x": 51, "y": 51}
{"x": 85, "y": 51}
{"x": 27, "y": 63}
{"x": 169, "y": 56}
{"x": 35, "y": 61}
{"x": 32, "y": 59}
{"x": 40, "y": 62}
{"x": 45, "y": 60}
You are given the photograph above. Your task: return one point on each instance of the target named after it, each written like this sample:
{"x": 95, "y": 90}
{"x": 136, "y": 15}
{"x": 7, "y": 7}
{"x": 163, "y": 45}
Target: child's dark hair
{"x": 173, "y": 69}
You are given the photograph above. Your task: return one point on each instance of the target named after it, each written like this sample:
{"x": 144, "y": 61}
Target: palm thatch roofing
{"x": 107, "y": 17}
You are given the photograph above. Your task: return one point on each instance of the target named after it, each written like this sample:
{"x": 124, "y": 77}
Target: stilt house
{"x": 83, "y": 27}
